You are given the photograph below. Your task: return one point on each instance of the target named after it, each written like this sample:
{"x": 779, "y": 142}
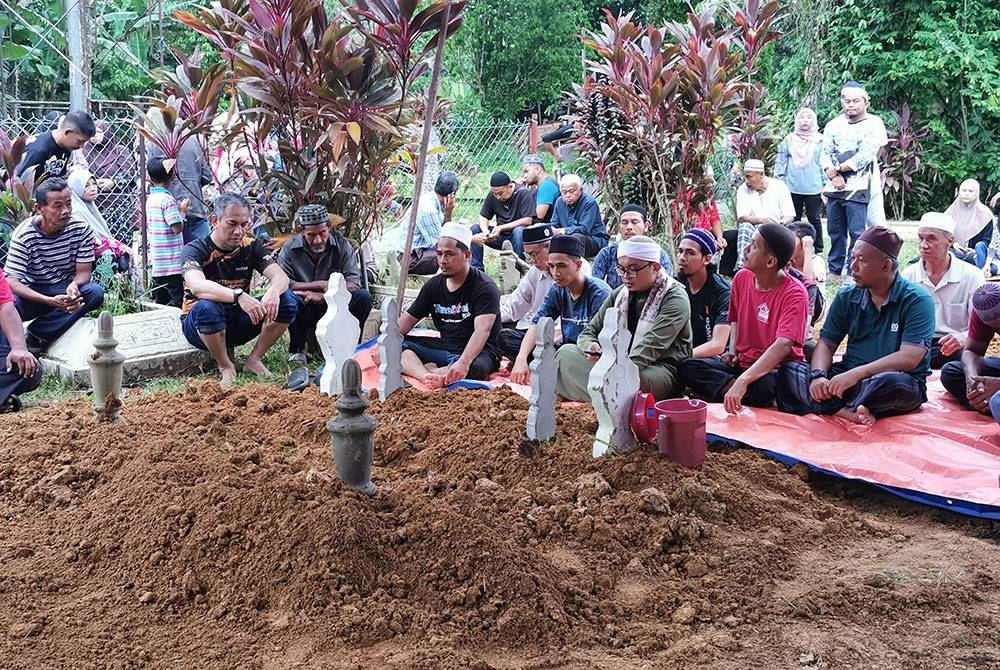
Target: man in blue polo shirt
{"x": 888, "y": 322}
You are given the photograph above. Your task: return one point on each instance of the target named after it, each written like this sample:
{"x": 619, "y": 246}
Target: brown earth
{"x": 210, "y": 531}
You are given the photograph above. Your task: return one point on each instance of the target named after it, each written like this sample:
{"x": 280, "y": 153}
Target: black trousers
{"x": 813, "y": 206}
{"x": 167, "y": 290}
{"x": 708, "y": 377}
{"x": 591, "y": 247}
{"x": 953, "y": 376}
{"x": 727, "y": 264}
{"x": 884, "y": 394}
{"x": 310, "y": 313}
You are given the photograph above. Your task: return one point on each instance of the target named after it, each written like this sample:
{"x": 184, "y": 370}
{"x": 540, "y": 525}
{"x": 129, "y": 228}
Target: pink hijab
{"x": 803, "y": 140}
{"x": 969, "y": 218}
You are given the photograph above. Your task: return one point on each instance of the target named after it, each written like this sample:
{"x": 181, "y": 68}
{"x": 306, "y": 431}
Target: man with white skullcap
{"x": 950, "y": 282}
{"x": 851, "y": 143}
{"x": 975, "y": 381}
{"x": 464, "y": 304}
{"x": 659, "y": 319}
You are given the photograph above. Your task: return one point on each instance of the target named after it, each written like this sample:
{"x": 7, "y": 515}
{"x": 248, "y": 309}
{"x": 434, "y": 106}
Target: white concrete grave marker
{"x": 390, "y": 349}
{"x": 542, "y": 403}
{"x": 337, "y": 332}
{"x": 613, "y": 383}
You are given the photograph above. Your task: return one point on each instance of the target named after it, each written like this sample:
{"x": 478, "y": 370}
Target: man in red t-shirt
{"x": 768, "y": 311}
{"x": 19, "y": 370}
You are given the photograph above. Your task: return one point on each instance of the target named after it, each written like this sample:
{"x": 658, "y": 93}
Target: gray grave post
{"x": 106, "y": 372}
{"x": 337, "y": 333}
{"x": 542, "y": 403}
{"x": 613, "y": 383}
{"x": 509, "y": 276}
{"x": 390, "y": 349}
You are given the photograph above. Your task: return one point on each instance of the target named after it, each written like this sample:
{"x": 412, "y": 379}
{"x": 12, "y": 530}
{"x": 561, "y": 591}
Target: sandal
{"x": 11, "y": 404}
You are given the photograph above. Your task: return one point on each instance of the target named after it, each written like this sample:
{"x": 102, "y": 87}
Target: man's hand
{"x": 183, "y": 207}
{"x": 73, "y": 291}
{"x": 479, "y": 239}
{"x": 313, "y": 297}
{"x": 842, "y": 383}
{"x": 728, "y": 358}
{"x": 105, "y": 184}
{"x": 819, "y": 389}
{"x": 66, "y": 302}
{"x": 995, "y": 199}
{"x": 521, "y": 373}
{"x": 558, "y": 231}
{"x": 253, "y": 308}
{"x": 456, "y": 372}
{"x": 979, "y": 390}
{"x": 950, "y": 344}
{"x": 449, "y": 206}
{"x": 733, "y": 400}
{"x": 593, "y": 352}
{"x": 25, "y": 362}
{"x": 494, "y": 234}
{"x": 270, "y": 303}
{"x": 839, "y": 183}
{"x": 721, "y": 243}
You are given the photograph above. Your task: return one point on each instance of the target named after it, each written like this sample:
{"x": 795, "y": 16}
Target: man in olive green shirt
{"x": 659, "y": 319}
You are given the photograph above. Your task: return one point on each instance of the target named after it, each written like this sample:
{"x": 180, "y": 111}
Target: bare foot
{"x": 861, "y": 416}
{"x": 226, "y": 377}
{"x": 255, "y": 366}
{"x": 433, "y": 380}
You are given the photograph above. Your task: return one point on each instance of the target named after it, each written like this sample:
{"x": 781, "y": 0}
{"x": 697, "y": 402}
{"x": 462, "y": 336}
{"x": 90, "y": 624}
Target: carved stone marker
{"x": 106, "y": 372}
{"x": 390, "y": 349}
{"x": 509, "y": 275}
{"x": 542, "y": 403}
{"x": 352, "y": 433}
{"x": 613, "y": 383}
{"x": 337, "y": 332}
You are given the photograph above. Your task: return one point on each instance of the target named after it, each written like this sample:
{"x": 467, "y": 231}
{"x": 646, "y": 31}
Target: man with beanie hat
{"x": 464, "y": 304}
{"x": 950, "y": 283}
{"x": 708, "y": 293}
{"x": 768, "y": 310}
{"x": 545, "y": 188}
{"x": 888, "y": 322}
{"x": 577, "y": 213}
{"x": 309, "y": 259}
{"x": 658, "y": 317}
{"x": 631, "y": 222}
{"x": 433, "y": 211}
{"x": 975, "y": 381}
{"x": 573, "y": 301}
{"x": 513, "y": 207}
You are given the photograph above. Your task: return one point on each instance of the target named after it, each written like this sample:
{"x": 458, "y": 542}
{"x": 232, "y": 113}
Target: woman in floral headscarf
{"x": 798, "y": 165}
{"x": 973, "y": 224}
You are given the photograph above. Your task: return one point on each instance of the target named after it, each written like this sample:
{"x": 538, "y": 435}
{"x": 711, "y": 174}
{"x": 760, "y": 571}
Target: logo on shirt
{"x": 894, "y": 328}
{"x": 453, "y": 313}
{"x": 763, "y": 313}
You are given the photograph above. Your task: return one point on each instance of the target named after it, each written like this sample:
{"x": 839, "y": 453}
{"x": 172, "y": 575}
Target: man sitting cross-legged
{"x": 574, "y": 300}
{"x": 975, "y": 381}
{"x": 707, "y": 291}
{"x": 767, "y": 310}
{"x": 658, "y": 316}
{"x": 888, "y": 322}
{"x": 464, "y": 304}
{"x": 219, "y": 313}
{"x": 48, "y": 267}
{"x": 631, "y": 222}
{"x": 518, "y": 308}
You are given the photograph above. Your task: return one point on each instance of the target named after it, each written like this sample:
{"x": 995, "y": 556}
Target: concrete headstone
{"x": 542, "y": 403}
{"x": 337, "y": 333}
{"x": 390, "y": 349}
{"x": 613, "y": 383}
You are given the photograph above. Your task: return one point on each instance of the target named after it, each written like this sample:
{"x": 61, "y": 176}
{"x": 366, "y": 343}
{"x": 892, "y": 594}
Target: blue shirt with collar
{"x": 583, "y": 218}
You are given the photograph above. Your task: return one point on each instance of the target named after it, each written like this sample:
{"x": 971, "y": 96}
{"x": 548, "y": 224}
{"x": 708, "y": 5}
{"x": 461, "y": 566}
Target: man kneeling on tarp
{"x": 888, "y": 322}
{"x": 659, "y": 318}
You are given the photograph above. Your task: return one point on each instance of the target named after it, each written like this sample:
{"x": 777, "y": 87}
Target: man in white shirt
{"x": 760, "y": 199}
{"x": 518, "y": 307}
{"x": 950, "y": 282}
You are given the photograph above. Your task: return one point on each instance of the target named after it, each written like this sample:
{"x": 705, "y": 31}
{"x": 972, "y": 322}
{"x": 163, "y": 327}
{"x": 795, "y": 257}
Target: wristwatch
{"x": 817, "y": 374}
{"x": 237, "y": 292}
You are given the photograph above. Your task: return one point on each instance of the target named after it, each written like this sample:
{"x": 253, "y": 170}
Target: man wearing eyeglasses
{"x": 577, "y": 213}
{"x": 518, "y": 308}
{"x": 658, "y": 316}
{"x": 851, "y": 143}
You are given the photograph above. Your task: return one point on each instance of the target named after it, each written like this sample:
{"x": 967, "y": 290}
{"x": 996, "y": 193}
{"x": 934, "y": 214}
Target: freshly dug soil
{"x": 210, "y": 531}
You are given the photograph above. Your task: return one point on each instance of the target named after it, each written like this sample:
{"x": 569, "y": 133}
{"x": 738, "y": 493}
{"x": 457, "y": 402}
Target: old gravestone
{"x": 613, "y": 383}
{"x": 390, "y": 349}
{"x": 337, "y": 333}
{"x": 542, "y": 403}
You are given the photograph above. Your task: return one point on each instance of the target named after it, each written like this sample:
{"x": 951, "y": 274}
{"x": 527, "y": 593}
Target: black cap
{"x": 567, "y": 244}
{"x": 537, "y": 234}
{"x": 499, "y": 179}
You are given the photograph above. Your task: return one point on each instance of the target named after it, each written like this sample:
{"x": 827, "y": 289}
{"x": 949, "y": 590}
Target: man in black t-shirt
{"x": 219, "y": 313}
{"x": 464, "y": 304}
{"x": 513, "y": 207}
{"x": 48, "y": 154}
{"x": 708, "y": 292}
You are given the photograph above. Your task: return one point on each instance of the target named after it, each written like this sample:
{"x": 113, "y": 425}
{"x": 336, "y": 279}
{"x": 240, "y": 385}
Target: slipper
{"x": 298, "y": 379}
{"x": 11, "y": 404}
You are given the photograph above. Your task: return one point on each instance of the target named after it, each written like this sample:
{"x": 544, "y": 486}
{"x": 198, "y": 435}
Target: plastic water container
{"x": 681, "y": 430}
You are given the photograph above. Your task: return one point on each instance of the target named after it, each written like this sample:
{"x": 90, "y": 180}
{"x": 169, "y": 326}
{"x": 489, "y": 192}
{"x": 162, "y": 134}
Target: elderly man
{"x": 850, "y": 146}
{"x": 517, "y": 309}
{"x": 48, "y": 267}
{"x": 631, "y": 222}
{"x": 513, "y": 207}
{"x": 768, "y": 313}
{"x": 19, "y": 370}
{"x": 308, "y": 260}
{"x": 48, "y": 155}
{"x": 545, "y": 188}
{"x": 573, "y": 301}
{"x": 659, "y": 320}
{"x": 888, "y": 322}
{"x": 219, "y": 312}
{"x": 707, "y": 292}
{"x": 464, "y": 304}
{"x": 759, "y": 199}
{"x": 433, "y": 211}
{"x": 577, "y": 213}
{"x": 950, "y": 282}
{"x": 975, "y": 381}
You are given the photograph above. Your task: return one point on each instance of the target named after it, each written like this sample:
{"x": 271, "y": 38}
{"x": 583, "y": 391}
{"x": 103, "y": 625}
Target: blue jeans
{"x": 515, "y": 236}
{"x": 982, "y": 254}
{"x": 431, "y": 350}
{"x": 50, "y": 323}
{"x": 843, "y": 218}
{"x": 209, "y": 317}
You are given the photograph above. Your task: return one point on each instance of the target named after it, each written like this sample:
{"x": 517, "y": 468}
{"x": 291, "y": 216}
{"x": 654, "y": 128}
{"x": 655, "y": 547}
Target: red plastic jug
{"x": 681, "y": 430}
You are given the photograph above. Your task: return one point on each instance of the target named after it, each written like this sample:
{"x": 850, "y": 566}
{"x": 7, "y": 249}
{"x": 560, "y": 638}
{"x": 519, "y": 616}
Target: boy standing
{"x": 165, "y": 221}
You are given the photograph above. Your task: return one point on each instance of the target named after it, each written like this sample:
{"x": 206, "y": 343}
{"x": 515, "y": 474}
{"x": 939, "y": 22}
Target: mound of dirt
{"x": 210, "y": 530}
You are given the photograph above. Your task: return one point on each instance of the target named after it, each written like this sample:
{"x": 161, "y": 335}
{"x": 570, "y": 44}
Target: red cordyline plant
{"x": 334, "y": 92}
{"x": 17, "y": 199}
{"x": 901, "y": 163}
{"x": 656, "y": 101}
{"x": 755, "y": 31}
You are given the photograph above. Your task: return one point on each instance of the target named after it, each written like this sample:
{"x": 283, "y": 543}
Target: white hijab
{"x": 84, "y": 210}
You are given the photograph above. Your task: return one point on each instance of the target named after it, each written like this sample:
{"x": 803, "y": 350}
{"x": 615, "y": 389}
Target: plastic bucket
{"x": 681, "y": 430}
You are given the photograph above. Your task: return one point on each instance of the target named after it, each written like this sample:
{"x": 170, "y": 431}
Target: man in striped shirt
{"x": 48, "y": 267}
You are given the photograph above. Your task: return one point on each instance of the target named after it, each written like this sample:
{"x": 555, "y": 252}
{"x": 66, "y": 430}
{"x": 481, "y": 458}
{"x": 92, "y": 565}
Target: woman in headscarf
{"x": 83, "y": 187}
{"x": 114, "y": 166}
{"x": 973, "y": 224}
{"x": 798, "y": 165}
